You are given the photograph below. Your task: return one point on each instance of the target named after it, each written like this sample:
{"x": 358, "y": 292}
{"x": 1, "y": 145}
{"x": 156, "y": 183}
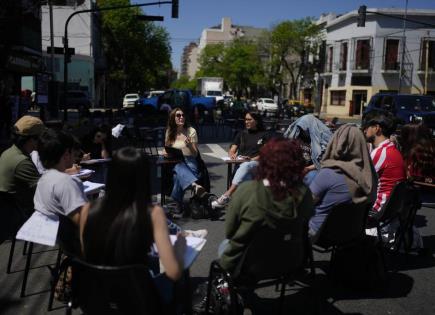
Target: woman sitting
{"x": 181, "y": 136}
{"x": 274, "y": 199}
{"x": 347, "y": 175}
{"x": 120, "y": 228}
{"x": 246, "y": 145}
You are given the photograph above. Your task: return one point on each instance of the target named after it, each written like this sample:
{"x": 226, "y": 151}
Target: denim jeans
{"x": 185, "y": 174}
{"x": 244, "y": 172}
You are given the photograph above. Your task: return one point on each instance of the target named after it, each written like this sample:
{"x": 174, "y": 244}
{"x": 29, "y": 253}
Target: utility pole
{"x": 402, "y": 60}
{"x": 426, "y": 65}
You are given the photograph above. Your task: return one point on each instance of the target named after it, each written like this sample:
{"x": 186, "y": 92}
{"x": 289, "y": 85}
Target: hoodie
{"x": 254, "y": 207}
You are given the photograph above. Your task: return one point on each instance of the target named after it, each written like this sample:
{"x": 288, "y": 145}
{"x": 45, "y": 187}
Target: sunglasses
{"x": 179, "y": 115}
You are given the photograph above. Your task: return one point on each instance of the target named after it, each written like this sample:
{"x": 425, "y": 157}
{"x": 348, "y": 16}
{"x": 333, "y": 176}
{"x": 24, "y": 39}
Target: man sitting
{"x": 18, "y": 174}
{"x": 57, "y": 192}
{"x": 388, "y": 162}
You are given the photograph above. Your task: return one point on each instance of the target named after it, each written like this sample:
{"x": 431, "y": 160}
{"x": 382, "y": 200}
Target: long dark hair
{"x": 171, "y": 126}
{"x": 119, "y": 228}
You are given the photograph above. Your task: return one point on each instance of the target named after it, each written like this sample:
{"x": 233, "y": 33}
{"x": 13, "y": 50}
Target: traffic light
{"x": 362, "y": 12}
{"x": 175, "y": 9}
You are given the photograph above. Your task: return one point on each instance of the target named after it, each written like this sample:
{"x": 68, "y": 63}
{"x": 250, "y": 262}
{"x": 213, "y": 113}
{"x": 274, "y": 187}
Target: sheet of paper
{"x": 83, "y": 172}
{"x": 193, "y": 248}
{"x": 40, "y": 228}
{"x": 91, "y": 187}
{"x": 227, "y": 158}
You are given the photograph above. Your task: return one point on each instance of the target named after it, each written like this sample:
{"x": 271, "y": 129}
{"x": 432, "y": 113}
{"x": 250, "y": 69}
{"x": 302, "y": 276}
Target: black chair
{"x": 402, "y": 205}
{"x": 343, "y": 227}
{"x": 113, "y": 290}
{"x": 272, "y": 258}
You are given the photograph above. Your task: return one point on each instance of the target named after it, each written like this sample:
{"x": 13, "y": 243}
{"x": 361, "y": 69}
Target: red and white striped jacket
{"x": 390, "y": 168}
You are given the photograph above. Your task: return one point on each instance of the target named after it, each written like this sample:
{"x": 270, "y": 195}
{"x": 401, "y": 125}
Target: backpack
{"x": 200, "y": 207}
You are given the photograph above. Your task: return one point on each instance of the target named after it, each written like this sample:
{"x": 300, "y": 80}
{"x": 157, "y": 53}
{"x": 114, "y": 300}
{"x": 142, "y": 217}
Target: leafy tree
{"x": 137, "y": 53}
{"x": 210, "y": 61}
{"x": 290, "y": 43}
{"x": 184, "y": 83}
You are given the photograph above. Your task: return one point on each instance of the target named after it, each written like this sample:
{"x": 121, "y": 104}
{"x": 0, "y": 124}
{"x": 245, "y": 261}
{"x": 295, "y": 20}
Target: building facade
{"x": 82, "y": 31}
{"x": 362, "y": 61}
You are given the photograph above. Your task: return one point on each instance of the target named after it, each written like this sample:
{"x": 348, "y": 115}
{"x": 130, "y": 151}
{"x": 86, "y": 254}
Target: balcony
{"x": 361, "y": 66}
{"x": 390, "y": 67}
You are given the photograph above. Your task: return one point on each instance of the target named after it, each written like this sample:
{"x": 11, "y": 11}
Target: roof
{"x": 392, "y": 11}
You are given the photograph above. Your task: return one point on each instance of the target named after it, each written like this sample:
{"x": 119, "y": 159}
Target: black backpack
{"x": 200, "y": 207}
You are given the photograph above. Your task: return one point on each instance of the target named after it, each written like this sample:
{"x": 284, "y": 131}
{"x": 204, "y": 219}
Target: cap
{"x": 29, "y": 126}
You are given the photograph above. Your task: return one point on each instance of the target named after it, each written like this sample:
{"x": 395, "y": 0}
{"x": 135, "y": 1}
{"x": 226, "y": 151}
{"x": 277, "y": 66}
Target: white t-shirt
{"x": 58, "y": 193}
{"x": 37, "y": 161}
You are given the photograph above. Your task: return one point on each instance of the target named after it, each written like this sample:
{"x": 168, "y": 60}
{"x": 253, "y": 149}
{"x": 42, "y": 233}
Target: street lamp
{"x": 67, "y": 56}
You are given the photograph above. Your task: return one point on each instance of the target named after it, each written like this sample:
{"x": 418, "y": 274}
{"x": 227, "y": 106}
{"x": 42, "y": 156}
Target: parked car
{"x": 130, "y": 99}
{"x": 76, "y": 99}
{"x": 266, "y": 104}
{"x": 155, "y": 93}
{"x": 405, "y": 107}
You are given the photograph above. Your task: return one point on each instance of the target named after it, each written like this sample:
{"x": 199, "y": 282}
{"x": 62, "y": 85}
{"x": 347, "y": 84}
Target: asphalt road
{"x": 409, "y": 289}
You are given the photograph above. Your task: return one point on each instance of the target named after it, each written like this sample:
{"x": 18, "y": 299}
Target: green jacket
{"x": 18, "y": 176}
{"x": 253, "y": 207}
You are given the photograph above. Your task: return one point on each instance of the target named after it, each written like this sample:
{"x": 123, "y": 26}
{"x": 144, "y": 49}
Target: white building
{"x": 81, "y": 32}
{"x": 362, "y": 61}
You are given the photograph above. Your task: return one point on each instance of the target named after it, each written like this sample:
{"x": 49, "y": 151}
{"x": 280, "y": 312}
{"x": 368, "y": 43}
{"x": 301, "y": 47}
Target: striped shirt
{"x": 390, "y": 168}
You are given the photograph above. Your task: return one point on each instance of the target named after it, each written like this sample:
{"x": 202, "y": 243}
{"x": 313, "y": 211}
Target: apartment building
{"x": 362, "y": 61}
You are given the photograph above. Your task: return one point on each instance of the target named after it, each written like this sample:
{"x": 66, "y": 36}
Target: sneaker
{"x": 221, "y": 202}
{"x": 198, "y": 233}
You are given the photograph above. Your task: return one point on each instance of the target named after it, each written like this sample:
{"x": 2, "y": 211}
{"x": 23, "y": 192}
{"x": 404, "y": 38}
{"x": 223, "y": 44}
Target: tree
{"x": 210, "y": 61}
{"x": 184, "y": 83}
{"x": 242, "y": 68}
{"x": 290, "y": 44}
{"x": 137, "y": 52}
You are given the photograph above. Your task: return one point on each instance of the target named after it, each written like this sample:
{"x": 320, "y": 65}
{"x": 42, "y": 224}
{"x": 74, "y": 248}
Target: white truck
{"x": 211, "y": 87}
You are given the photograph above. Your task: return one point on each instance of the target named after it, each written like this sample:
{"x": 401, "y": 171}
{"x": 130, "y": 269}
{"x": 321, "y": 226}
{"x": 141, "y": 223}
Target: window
{"x": 343, "y": 56}
{"x": 391, "y": 54}
{"x": 329, "y": 59}
{"x": 338, "y": 98}
{"x": 427, "y": 48}
{"x": 362, "y": 55}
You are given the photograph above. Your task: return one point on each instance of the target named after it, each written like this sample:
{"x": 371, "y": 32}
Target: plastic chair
{"x": 272, "y": 258}
{"x": 113, "y": 290}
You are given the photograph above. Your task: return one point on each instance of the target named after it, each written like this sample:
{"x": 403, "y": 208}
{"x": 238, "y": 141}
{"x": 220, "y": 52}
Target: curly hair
{"x": 171, "y": 127}
{"x": 282, "y": 164}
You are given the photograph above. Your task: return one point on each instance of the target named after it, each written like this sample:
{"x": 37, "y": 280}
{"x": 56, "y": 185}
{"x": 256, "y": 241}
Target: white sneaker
{"x": 198, "y": 233}
{"x": 221, "y": 202}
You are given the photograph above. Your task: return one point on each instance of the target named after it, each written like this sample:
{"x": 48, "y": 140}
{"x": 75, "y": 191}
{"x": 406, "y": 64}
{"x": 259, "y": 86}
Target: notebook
{"x": 174, "y": 154}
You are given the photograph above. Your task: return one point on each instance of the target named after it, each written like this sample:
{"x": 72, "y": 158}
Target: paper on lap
{"x": 193, "y": 248}
{"x": 83, "y": 172}
{"x": 40, "y": 228}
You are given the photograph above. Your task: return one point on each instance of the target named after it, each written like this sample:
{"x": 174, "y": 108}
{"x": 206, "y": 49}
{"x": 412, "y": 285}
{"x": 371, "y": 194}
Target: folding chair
{"x": 272, "y": 258}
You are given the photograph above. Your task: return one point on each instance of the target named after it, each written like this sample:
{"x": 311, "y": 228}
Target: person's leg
{"x": 183, "y": 178}
{"x": 243, "y": 173}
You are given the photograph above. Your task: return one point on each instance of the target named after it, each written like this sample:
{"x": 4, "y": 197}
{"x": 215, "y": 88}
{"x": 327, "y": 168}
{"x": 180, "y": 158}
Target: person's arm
{"x": 82, "y": 219}
{"x": 26, "y": 173}
{"x": 172, "y": 257}
{"x": 319, "y": 186}
{"x": 104, "y": 151}
{"x": 232, "y": 153}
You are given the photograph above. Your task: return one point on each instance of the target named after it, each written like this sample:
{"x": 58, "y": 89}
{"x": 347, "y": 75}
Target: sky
{"x": 196, "y": 15}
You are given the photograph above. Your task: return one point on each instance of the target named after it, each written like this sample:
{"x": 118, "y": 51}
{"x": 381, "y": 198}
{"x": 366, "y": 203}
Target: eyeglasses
{"x": 179, "y": 115}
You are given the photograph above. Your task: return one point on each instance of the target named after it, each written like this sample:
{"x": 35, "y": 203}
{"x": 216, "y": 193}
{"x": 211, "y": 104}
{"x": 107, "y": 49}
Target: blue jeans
{"x": 185, "y": 174}
{"x": 244, "y": 172}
